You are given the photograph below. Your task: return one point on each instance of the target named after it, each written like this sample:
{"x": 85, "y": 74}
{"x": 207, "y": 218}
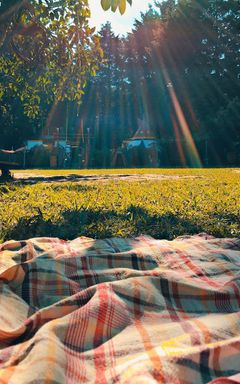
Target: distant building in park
{"x": 141, "y": 150}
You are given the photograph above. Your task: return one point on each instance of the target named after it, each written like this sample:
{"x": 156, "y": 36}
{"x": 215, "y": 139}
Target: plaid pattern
{"x": 120, "y": 311}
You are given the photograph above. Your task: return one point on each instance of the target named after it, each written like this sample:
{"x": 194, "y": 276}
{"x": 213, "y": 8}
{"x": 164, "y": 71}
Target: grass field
{"x": 168, "y": 203}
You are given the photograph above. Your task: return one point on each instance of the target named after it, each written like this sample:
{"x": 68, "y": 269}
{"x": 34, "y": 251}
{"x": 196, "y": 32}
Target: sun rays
{"x": 161, "y": 72}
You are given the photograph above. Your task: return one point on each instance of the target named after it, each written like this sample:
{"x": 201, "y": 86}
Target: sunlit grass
{"x": 207, "y": 200}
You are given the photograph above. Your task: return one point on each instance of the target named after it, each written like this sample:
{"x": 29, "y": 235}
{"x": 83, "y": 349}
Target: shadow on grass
{"x": 49, "y": 179}
{"x": 102, "y": 224}
{"x": 11, "y": 187}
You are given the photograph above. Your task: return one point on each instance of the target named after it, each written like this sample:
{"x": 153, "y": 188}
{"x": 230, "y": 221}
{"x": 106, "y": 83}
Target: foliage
{"x": 59, "y": 69}
{"x": 181, "y": 201}
{"x": 55, "y": 6}
{"x": 115, "y": 4}
{"x": 21, "y": 16}
{"x": 47, "y": 49}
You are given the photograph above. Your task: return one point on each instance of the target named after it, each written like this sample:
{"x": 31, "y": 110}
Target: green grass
{"x": 189, "y": 201}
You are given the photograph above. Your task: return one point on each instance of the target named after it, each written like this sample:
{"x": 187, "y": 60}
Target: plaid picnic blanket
{"x": 120, "y": 311}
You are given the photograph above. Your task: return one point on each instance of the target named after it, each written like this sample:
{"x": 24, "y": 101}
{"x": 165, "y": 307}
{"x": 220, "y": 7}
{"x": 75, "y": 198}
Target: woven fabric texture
{"x": 120, "y": 311}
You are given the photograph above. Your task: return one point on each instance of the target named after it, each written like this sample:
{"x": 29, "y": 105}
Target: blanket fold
{"x": 120, "y": 311}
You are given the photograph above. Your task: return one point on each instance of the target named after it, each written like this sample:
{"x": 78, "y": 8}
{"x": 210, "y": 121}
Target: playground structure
{"x": 141, "y": 150}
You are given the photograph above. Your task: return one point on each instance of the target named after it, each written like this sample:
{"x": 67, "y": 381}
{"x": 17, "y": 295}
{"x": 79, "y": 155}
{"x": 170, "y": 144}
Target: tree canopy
{"x": 49, "y": 56}
{"x": 47, "y": 48}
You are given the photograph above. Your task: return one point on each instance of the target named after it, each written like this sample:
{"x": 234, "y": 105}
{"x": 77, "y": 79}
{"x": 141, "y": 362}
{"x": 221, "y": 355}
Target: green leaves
{"x": 72, "y": 52}
{"x": 122, "y": 6}
{"x": 106, "y": 4}
{"x": 115, "y": 4}
{"x": 52, "y": 52}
